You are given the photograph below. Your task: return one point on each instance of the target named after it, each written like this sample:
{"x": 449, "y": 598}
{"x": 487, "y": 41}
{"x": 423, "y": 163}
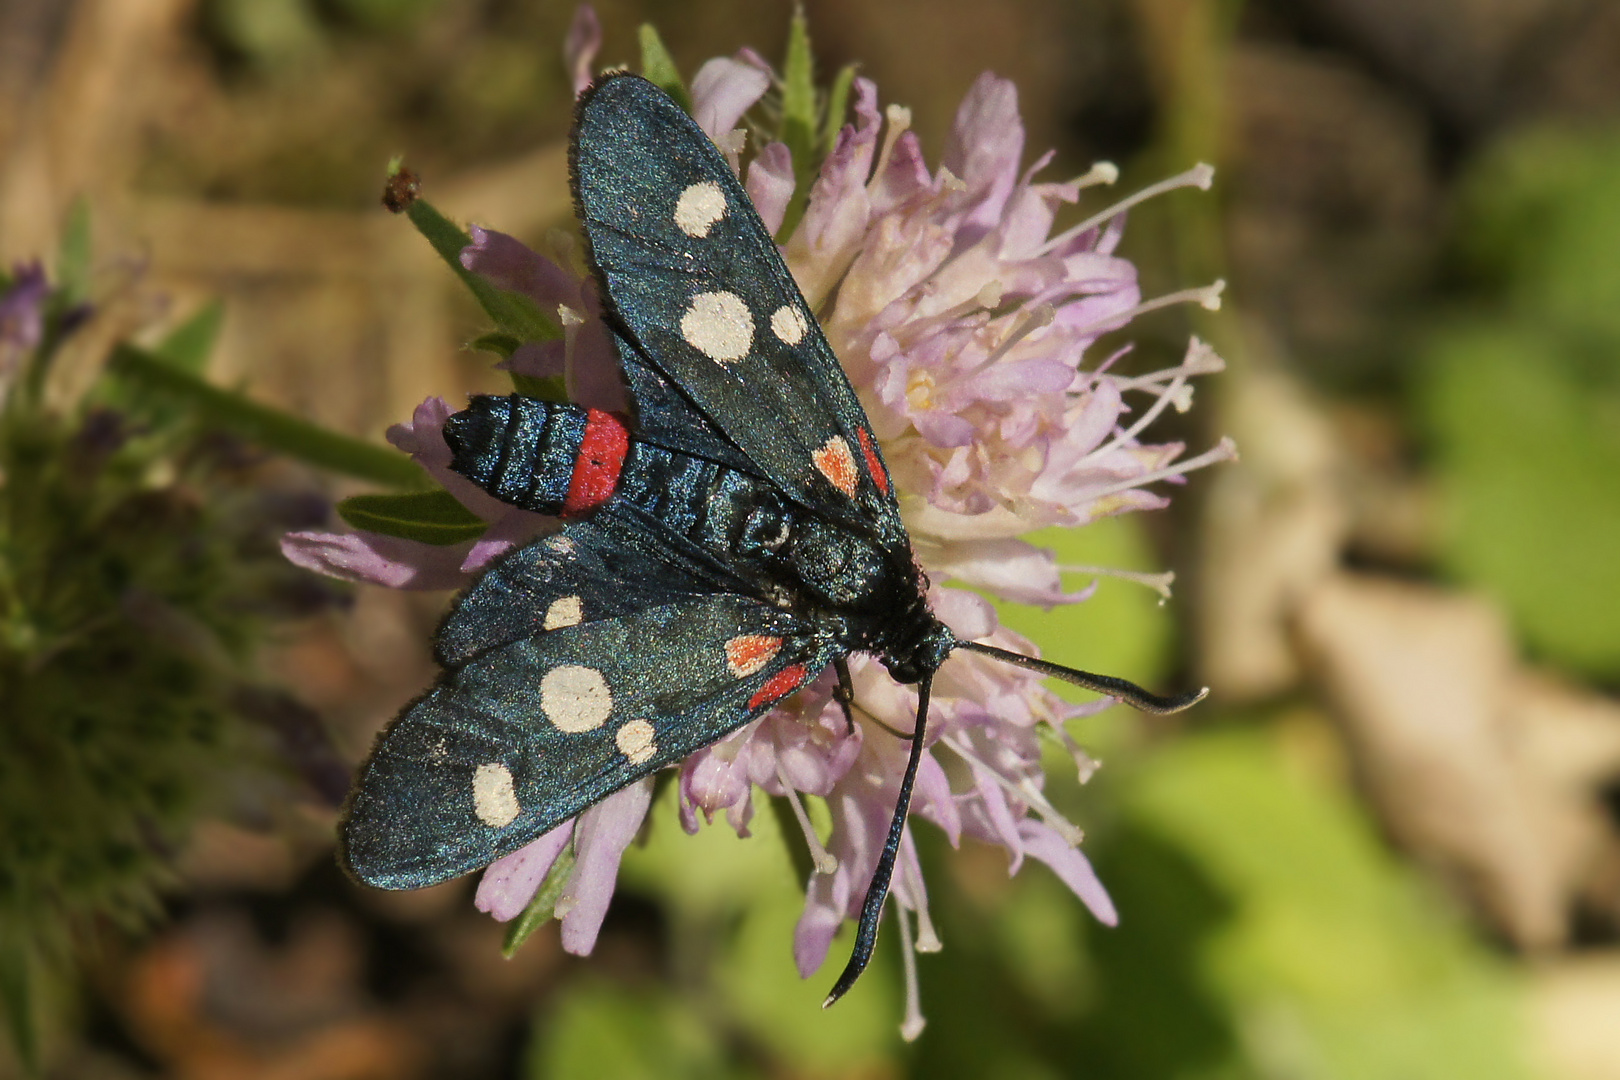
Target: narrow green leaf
{"x": 433, "y": 517}
{"x": 799, "y": 93}
{"x": 269, "y": 427}
{"x": 189, "y": 345}
{"x": 658, "y": 67}
{"x": 541, "y": 908}
{"x": 73, "y": 254}
{"x": 498, "y": 342}
{"x": 513, "y": 312}
{"x": 837, "y": 105}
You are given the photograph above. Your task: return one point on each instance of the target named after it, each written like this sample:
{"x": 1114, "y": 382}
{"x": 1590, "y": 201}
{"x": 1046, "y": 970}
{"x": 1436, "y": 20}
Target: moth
{"x": 735, "y": 537}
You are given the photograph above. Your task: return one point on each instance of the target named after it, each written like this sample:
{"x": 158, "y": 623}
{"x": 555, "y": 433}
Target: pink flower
{"x": 964, "y": 326}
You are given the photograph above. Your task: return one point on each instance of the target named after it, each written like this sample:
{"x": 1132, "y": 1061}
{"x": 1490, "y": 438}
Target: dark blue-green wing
{"x": 698, "y": 294}
{"x": 533, "y": 723}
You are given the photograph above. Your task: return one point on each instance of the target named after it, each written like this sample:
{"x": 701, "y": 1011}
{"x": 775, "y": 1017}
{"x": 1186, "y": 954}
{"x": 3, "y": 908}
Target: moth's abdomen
{"x": 545, "y": 456}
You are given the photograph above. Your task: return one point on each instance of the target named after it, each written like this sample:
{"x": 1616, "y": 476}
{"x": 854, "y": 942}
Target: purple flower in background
{"x": 22, "y": 316}
{"x": 964, "y": 325}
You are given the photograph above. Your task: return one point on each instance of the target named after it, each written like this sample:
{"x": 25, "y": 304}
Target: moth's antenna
{"x": 1124, "y": 690}
{"x": 878, "y": 891}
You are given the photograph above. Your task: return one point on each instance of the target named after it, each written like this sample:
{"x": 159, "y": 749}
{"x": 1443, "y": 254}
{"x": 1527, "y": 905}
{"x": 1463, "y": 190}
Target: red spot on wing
{"x": 837, "y": 464}
{"x": 873, "y": 465}
{"x": 601, "y": 457}
{"x": 779, "y": 686}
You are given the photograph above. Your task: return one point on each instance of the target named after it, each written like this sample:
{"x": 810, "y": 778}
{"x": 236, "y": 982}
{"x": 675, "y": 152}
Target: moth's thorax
{"x": 880, "y": 601}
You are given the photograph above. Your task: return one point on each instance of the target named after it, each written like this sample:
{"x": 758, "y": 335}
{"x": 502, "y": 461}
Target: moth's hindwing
{"x": 519, "y": 736}
{"x": 699, "y": 292}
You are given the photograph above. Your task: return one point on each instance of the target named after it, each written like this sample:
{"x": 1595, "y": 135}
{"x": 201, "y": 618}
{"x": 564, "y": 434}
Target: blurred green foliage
{"x": 1520, "y": 390}
{"x": 1266, "y": 931}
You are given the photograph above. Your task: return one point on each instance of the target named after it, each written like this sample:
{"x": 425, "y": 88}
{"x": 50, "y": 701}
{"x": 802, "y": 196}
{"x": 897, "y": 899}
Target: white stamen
{"x": 1084, "y": 763}
{"x": 1225, "y": 450}
{"x": 927, "y": 937}
{"x": 914, "y": 1022}
{"x": 1065, "y": 828}
{"x": 1159, "y": 583}
{"x": 1103, "y": 172}
{"x": 1208, "y": 297}
{"x": 1201, "y": 360}
{"x": 986, "y": 299}
{"x": 1199, "y": 176}
{"x": 1038, "y": 319}
{"x": 825, "y": 862}
{"x": 899, "y": 118}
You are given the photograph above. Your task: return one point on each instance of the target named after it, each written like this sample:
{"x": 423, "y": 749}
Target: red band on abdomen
{"x": 601, "y": 457}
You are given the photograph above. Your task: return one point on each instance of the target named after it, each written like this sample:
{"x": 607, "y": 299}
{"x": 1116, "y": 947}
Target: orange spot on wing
{"x": 749, "y": 653}
{"x": 837, "y": 464}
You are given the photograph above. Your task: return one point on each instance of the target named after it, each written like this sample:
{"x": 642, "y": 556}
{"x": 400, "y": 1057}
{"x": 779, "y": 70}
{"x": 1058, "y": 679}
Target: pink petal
{"x": 1012, "y": 569}
{"x": 969, "y": 615}
{"x": 1043, "y": 842}
{"x": 600, "y": 838}
{"x": 423, "y": 439}
{"x": 375, "y": 559}
{"x": 516, "y": 529}
{"x": 986, "y": 142}
{"x": 511, "y": 881}
{"x": 508, "y": 263}
{"x": 771, "y": 184}
{"x": 724, "y": 89}
{"x": 537, "y": 360}
{"x": 581, "y": 45}
{"x": 933, "y": 800}
{"x": 593, "y": 376}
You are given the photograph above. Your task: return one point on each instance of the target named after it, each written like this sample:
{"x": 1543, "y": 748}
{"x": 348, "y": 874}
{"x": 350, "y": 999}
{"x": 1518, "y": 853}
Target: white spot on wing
{"x": 699, "y": 207}
{"x": 718, "y": 325}
{"x": 788, "y": 324}
{"x": 575, "y": 699}
{"x": 494, "y": 800}
{"x": 635, "y": 741}
{"x": 564, "y": 611}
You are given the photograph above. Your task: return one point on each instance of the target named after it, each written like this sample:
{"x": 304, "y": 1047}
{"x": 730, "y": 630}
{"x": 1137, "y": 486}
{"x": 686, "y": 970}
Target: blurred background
{"x": 1386, "y": 847}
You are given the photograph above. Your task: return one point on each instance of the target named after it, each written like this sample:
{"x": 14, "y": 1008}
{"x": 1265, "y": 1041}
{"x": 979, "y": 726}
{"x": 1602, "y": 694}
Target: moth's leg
{"x": 844, "y": 693}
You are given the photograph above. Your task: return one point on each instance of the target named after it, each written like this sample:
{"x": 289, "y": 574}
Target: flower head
{"x": 965, "y": 327}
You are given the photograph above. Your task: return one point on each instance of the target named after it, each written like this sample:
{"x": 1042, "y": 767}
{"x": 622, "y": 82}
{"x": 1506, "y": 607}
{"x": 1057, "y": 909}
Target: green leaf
{"x": 189, "y": 345}
{"x": 799, "y": 94}
{"x": 1526, "y": 427}
{"x": 541, "y": 908}
{"x": 269, "y": 427}
{"x": 658, "y": 67}
{"x": 837, "y": 105}
{"x": 513, "y": 312}
{"x": 432, "y": 517}
{"x": 601, "y": 1030}
{"x": 1376, "y": 975}
{"x": 73, "y": 254}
